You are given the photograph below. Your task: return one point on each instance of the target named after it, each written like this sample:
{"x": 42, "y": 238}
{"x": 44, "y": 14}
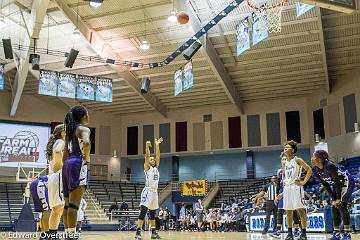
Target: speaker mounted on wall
{"x": 71, "y": 57}
{"x": 145, "y": 85}
{"x": 8, "y": 49}
{"x": 192, "y": 50}
{"x": 35, "y": 61}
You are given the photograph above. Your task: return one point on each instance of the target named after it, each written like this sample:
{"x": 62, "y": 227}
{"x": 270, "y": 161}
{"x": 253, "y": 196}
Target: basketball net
{"x": 269, "y": 13}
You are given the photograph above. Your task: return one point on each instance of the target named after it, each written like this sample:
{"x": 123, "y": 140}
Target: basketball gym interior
{"x": 224, "y": 83}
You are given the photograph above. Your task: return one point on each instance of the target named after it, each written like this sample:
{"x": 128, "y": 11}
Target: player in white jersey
{"x": 149, "y": 195}
{"x": 293, "y": 193}
{"x": 54, "y": 152}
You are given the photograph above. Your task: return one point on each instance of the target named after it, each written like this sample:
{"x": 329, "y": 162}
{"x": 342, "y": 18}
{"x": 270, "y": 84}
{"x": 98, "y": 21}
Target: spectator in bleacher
{"x": 124, "y": 206}
{"x": 199, "y": 209}
{"x": 323, "y": 194}
{"x": 182, "y": 216}
{"x": 114, "y": 206}
{"x": 221, "y": 221}
{"x": 224, "y": 206}
{"x": 162, "y": 219}
{"x": 233, "y": 215}
{"x": 213, "y": 225}
{"x": 358, "y": 173}
{"x": 192, "y": 221}
{"x": 325, "y": 204}
{"x": 132, "y": 203}
{"x": 270, "y": 192}
{"x": 234, "y": 204}
{"x": 247, "y": 218}
{"x": 81, "y": 213}
{"x": 311, "y": 207}
{"x": 247, "y": 204}
{"x": 167, "y": 216}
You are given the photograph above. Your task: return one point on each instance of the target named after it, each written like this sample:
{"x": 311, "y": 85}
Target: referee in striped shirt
{"x": 270, "y": 192}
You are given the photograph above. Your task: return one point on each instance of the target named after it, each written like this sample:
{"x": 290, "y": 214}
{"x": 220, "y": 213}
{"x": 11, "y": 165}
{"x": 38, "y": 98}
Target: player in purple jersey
{"x": 340, "y": 184}
{"x": 39, "y": 193}
{"x": 75, "y": 169}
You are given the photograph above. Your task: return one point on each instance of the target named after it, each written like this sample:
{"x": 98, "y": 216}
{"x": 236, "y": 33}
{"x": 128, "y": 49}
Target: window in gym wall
{"x": 318, "y": 118}
{"x": 350, "y": 112}
{"x": 234, "y": 127}
{"x": 293, "y": 126}
{"x": 132, "y": 140}
{"x": 164, "y": 132}
{"x": 254, "y": 134}
{"x": 199, "y": 136}
{"x": 273, "y": 129}
{"x": 181, "y": 136}
{"x": 148, "y": 135}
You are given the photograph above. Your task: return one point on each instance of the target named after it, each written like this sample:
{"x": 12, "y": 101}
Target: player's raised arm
{"x": 157, "y": 156}
{"x": 308, "y": 170}
{"x": 147, "y": 156}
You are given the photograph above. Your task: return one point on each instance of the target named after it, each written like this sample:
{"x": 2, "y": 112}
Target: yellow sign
{"x": 194, "y": 188}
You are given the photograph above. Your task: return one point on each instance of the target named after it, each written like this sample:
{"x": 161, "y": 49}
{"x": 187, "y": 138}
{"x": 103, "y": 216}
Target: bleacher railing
{"x": 94, "y": 203}
{"x": 210, "y": 176}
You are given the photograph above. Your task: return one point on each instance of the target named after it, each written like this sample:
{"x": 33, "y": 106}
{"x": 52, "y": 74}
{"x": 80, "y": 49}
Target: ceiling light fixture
{"x": 96, "y": 3}
{"x": 145, "y": 45}
{"x": 172, "y": 17}
{"x": 115, "y": 155}
{"x": 76, "y": 34}
{"x": 317, "y": 138}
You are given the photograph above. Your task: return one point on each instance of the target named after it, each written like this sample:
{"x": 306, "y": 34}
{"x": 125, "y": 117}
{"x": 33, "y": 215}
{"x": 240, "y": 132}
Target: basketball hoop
{"x": 269, "y": 13}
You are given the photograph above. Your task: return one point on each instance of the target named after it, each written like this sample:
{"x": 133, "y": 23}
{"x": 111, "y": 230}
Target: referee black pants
{"x": 271, "y": 208}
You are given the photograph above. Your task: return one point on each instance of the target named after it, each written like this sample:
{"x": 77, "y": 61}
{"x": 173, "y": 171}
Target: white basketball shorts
{"x": 149, "y": 199}
{"x": 55, "y": 189}
{"x": 293, "y": 197}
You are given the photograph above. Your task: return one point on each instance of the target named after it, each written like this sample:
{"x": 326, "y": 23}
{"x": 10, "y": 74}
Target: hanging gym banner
{"x": 104, "y": 89}
{"x": 48, "y": 82}
{"x": 242, "y": 36}
{"x": 178, "y": 82}
{"x": 302, "y": 8}
{"x": 258, "y": 33}
{"x": 67, "y": 85}
{"x": 188, "y": 76}
{"x": 85, "y": 87}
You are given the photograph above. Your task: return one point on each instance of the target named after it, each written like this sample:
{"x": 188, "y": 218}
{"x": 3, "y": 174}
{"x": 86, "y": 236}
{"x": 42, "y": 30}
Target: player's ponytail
{"x": 53, "y": 137}
{"x": 72, "y": 118}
